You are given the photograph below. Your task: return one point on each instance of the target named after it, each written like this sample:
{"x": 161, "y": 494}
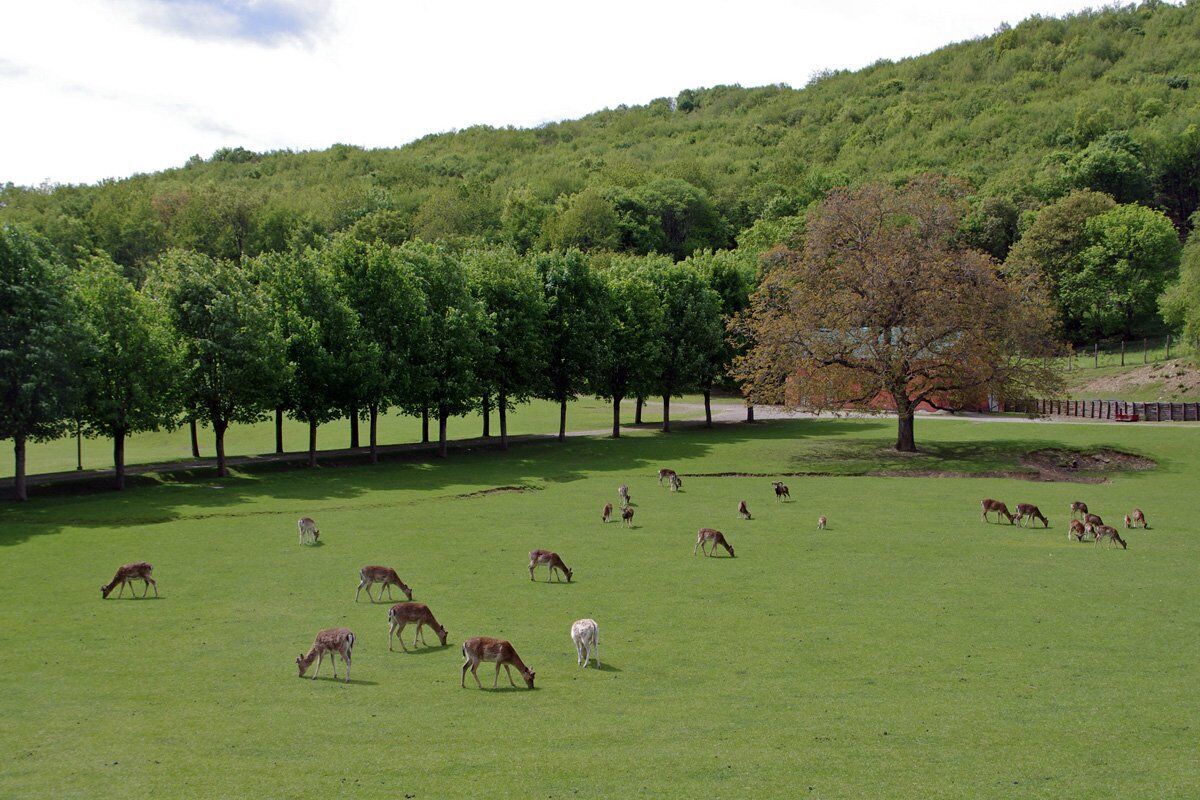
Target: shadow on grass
{"x": 330, "y": 679}
{"x": 420, "y": 650}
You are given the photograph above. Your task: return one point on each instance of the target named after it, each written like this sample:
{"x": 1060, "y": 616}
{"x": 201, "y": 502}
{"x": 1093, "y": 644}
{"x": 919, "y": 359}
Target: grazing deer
{"x": 781, "y": 491}
{"x": 308, "y": 530}
{"x": 676, "y": 482}
{"x": 623, "y": 493}
{"x": 585, "y": 633}
{"x": 712, "y": 538}
{"x": 498, "y": 651}
{"x": 1135, "y": 518}
{"x": 1092, "y": 519}
{"x": 551, "y": 560}
{"x": 138, "y": 571}
{"x": 822, "y": 522}
{"x": 1076, "y": 530}
{"x": 385, "y": 575}
{"x": 334, "y": 641}
{"x": 665, "y": 473}
{"x": 1079, "y": 508}
{"x": 401, "y": 614}
{"x": 1110, "y": 533}
{"x": 743, "y": 511}
{"x": 1028, "y": 511}
{"x": 989, "y": 505}
{"x": 606, "y": 515}
{"x": 627, "y": 516}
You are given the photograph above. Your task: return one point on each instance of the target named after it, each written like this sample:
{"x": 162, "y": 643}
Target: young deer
{"x": 551, "y": 560}
{"x": 334, "y": 641}
{"x": 1110, "y": 533}
{"x": 499, "y": 652}
{"x": 822, "y": 522}
{"x": 1135, "y": 518}
{"x": 675, "y": 482}
{"x": 401, "y": 614}
{"x": 1028, "y": 511}
{"x": 712, "y": 538}
{"x": 743, "y": 511}
{"x": 606, "y": 515}
{"x": 385, "y": 575}
{"x": 585, "y": 633}
{"x": 138, "y": 571}
{"x": 627, "y": 516}
{"x": 1092, "y": 519}
{"x": 308, "y": 530}
{"x": 1079, "y": 508}
{"x": 781, "y": 490}
{"x": 665, "y": 473}
{"x": 623, "y": 493}
{"x": 1076, "y": 531}
{"x": 989, "y": 505}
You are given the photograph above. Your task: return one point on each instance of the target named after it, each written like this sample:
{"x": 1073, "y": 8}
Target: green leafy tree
{"x": 128, "y": 360}
{"x": 668, "y": 216}
{"x": 1112, "y": 164}
{"x": 992, "y": 226}
{"x": 36, "y": 345}
{"x": 629, "y": 354}
{"x": 574, "y": 302}
{"x": 692, "y": 333}
{"x": 385, "y": 225}
{"x": 522, "y": 217}
{"x": 1132, "y": 255}
{"x": 1181, "y": 302}
{"x": 733, "y": 276}
{"x": 586, "y": 221}
{"x": 509, "y": 289}
{"x": 232, "y": 359}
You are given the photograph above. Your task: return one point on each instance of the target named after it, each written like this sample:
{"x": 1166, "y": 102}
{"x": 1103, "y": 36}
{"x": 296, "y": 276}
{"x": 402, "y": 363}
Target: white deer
{"x": 308, "y": 530}
{"x": 586, "y": 635}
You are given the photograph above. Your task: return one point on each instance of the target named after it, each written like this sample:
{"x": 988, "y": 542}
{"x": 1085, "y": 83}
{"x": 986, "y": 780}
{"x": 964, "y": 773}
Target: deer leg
{"x": 333, "y": 663}
{"x": 508, "y": 672}
{"x": 346, "y": 658}
{"x": 389, "y": 588}
{"x": 320, "y": 658}
{"x": 496, "y": 679}
{"x": 475, "y": 673}
{"x": 361, "y": 584}
{"x": 391, "y": 632}
{"x": 154, "y": 583}
{"x": 463, "y": 681}
{"x": 531, "y": 566}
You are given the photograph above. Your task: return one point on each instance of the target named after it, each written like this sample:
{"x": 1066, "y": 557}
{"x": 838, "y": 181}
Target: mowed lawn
{"x": 909, "y": 651}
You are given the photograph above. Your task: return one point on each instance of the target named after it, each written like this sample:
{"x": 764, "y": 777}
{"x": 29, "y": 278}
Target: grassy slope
{"x": 909, "y": 651}
{"x": 1167, "y": 381}
{"x": 537, "y": 416}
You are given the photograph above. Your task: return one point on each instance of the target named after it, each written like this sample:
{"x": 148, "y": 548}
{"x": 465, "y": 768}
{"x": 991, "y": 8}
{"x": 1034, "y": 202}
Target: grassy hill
{"x": 1013, "y": 113}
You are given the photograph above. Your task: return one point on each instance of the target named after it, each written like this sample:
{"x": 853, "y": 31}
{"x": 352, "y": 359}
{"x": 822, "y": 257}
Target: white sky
{"x": 91, "y": 89}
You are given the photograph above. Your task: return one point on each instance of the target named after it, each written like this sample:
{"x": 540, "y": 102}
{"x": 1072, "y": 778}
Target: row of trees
{"x": 348, "y": 329}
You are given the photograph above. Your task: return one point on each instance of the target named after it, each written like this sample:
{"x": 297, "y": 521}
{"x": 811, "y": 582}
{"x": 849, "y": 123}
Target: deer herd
{"x": 585, "y": 633}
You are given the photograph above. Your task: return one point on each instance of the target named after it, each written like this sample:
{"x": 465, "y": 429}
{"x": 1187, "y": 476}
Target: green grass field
{"x": 909, "y": 651}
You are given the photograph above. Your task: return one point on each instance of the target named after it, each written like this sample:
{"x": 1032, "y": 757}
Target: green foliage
{"x": 1181, "y": 302}
{"x": 522, "y": 218}
{"x": 693, "y": 336}
{"x": 992, "y": 226}
{"x": 1112, "y": 165}
{"x": 630, "y": 340}
{"x": 574, "y": 298}
{"x": 585, "y": 221}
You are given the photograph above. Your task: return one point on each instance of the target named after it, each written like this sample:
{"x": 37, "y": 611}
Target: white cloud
{"x": 102, "y": 88}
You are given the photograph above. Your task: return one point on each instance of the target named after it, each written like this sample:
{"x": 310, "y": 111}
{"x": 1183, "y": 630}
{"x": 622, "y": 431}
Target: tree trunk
{"x": 278, "y": 429}
{"x": 707, "y": 408}
{"x": 312, "y": 442}
{"x": 666, "y": 413}
{"x": 487, "y": 417}
{"x": 119, "y": 459}
{"x": 424, "y": 426}
{"x": 905, "y": 442}
{"x": 562, "y": 421}
{"x": 353, "y": 428}
{"x": 616, "y": 416}
{"x": 749, "y": 413}
{"x": 219, "y": 427}
{"x": 374, "y": 433}
{"x": 637, "y": 413}
{"x": 443, "y": 447}
{"x": 195, "y": 438}
{"x": 19, "y": 488}
{"x": 502, "y": 403}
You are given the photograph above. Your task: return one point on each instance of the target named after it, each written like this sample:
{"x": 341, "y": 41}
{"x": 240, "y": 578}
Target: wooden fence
{"x": 1114, "y": 409}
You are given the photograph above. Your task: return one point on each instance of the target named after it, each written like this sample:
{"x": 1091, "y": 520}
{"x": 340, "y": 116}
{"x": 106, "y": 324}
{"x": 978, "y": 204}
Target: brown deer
{"x": 308, "y": 530}
{"x": 606, "y": 515}
{"x": 989, "y": 505}
{"x": 334, "y": 641}
{"x": 665, "y": 473}
{"x": 138, "y": 571}
{"x": 1076, "y": 531}
{"x": 1092, "y": 519}
{"x": 1079, "y": 508}
{"x": 676, "y": 483}
{"x": 712, "y": 538}
{"x": 822, "y": 522}
{"x": 1028, "y": 511}
{"x": 385, "y": 575}
{"x": 401, "y": 614}
{"x": 623, "y": 493}
{"x": 781, "y": 490}
{"x": 627, "y": 516}
{"x": 1110, "y": 533}
{"x": 499, "y": 652}
{"x": 743, "y": 511}
{"x": 1136, "y": 518}
{"x": 551, "y": 560}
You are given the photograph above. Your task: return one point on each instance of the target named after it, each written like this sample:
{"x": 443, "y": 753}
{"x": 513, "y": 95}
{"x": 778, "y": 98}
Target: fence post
{"x": 1168, "y": 347}
{"x": 1145, "y": 349}
{"x": 1122, "y": 352}
{"x": 1095, "y": 354}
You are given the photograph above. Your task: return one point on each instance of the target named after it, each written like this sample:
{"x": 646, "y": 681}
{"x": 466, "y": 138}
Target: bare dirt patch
{"x": 500, "y": 490}
{"x": 1057, "y": 462}
{"x": 1173, "y": 380}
